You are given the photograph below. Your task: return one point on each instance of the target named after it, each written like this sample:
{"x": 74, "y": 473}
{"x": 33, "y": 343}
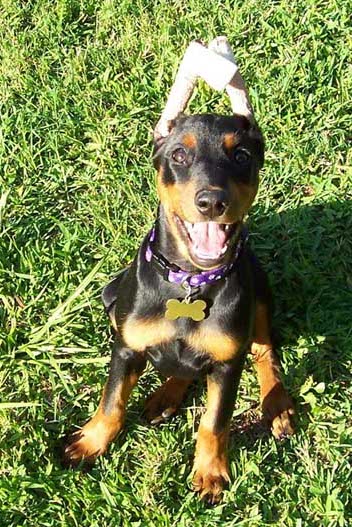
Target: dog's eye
{"x": 179, "y": 155}
{"x": 241, "y": 156}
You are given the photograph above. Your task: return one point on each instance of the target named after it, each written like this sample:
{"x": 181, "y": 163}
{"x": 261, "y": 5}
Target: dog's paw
{"x": 82, "y": 446}
{"x": 278, "y": 409}
{"x": 281, "y": 426}
{"x": 165, "y": 401}
{"x": 91, "y": 441}
{"x": 210, "y": 479}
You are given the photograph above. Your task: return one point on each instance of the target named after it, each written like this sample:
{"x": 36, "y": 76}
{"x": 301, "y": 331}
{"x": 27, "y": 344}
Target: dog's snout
{"x": 211, "y": 203}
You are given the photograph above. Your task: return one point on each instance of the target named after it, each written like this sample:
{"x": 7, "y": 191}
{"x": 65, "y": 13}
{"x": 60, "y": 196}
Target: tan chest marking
{"x": 139, "y": 334}
{"x": 218, "y": 345}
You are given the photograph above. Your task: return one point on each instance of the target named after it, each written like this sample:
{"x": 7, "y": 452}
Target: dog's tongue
{"x": 208, "y": 239}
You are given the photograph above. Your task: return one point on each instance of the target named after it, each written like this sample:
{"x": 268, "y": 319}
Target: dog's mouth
{"x": 207, "y": 241}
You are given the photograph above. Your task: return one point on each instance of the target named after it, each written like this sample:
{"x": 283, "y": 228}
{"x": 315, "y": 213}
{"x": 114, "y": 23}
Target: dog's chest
{"x": 205, "y": 338}
{"x": 177, "y": 359}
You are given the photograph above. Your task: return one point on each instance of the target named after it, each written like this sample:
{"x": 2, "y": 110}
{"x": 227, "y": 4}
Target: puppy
{"x": 195, "y": 299}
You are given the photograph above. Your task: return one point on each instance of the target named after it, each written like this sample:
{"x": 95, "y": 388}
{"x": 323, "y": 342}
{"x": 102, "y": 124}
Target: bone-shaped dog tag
{"x": 194, "y": 310}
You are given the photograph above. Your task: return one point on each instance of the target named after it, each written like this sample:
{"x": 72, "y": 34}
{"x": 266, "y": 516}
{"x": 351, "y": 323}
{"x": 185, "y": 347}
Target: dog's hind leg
{"x": 165, "y": 401}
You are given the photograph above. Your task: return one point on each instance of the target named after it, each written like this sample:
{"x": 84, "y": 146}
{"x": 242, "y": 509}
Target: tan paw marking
{"x": 281, "y": 426}
{"x": 210, "y": 479}
{"x": 278, "y": 408}
{"x": 89, "y": 442}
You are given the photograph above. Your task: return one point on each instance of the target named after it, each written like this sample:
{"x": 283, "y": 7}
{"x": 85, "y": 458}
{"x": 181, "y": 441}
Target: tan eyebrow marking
{"x": 229, "y": 141}
{"x": 189, "y": 140}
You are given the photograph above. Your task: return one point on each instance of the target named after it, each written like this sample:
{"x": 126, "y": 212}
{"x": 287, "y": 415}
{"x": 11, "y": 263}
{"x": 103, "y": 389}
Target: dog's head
{"x": 207, "y": 180}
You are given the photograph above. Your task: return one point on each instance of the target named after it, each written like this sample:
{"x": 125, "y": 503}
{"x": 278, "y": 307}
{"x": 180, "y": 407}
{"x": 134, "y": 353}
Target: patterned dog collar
{"x": 174, "y": 274}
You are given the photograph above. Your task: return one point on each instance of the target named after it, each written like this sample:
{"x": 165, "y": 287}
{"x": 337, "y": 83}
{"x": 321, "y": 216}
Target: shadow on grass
{"x": 307, "y": 253}
{"x": 309, "y": 265}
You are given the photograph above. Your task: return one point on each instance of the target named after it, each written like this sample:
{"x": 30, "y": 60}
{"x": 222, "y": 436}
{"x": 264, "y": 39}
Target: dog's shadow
{"x": 307, "y": 253}
{"x": 308, "y": 260}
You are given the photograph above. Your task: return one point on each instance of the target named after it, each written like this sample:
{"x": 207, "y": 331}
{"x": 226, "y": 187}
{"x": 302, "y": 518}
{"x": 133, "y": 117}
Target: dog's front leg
{"x": 210, "y": 465}
{"x": 93, "y": 439}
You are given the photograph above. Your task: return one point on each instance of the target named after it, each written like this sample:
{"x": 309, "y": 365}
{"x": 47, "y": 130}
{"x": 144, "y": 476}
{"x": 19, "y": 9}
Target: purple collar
{"x": 174, "y": 274}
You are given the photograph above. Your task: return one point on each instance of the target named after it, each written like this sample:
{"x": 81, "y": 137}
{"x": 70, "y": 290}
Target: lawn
{"x": 81, "y": 85}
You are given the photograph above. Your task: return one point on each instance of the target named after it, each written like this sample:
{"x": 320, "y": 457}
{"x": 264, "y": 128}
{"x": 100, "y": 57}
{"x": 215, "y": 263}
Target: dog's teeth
{"x": 223, "y": 250}
{"x": 188, "y": 225}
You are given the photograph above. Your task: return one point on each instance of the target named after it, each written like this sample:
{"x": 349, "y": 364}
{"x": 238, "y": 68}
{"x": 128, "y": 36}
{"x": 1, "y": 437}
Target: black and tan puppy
{"x": 207, "y": 178}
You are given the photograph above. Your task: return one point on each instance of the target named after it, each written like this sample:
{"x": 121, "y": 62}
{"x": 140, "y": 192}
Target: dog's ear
{"x": 241, "y": 121}
{"x": 256, "y": 135}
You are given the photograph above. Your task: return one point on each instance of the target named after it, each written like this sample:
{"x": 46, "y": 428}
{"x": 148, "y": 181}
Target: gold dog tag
{"x": 194, "y": 310}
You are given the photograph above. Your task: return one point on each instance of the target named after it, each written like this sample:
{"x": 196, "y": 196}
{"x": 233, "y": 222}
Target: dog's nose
{"x": 211, "y": 203}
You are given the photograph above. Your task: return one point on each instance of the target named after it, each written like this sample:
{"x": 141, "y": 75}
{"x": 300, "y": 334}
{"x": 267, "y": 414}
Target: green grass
{"x": 81, "y": 85}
